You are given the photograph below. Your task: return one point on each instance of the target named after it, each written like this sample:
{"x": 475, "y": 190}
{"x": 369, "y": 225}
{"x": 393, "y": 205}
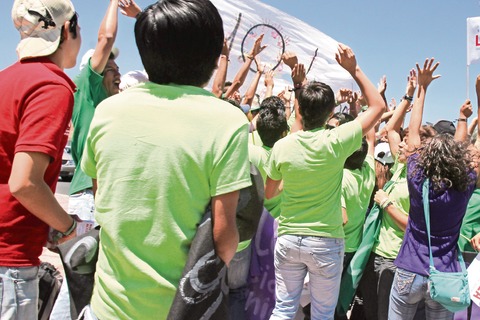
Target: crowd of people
{"x": 158, "y": 157}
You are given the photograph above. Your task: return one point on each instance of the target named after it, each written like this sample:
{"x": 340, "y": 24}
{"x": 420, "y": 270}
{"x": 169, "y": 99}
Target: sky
{"x": 388, "y": 38}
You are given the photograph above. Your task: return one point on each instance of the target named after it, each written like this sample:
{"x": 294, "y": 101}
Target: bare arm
{"x": 299, "y": 79}
{"x": 376, "y": 105}
{"x": 106, "y": 38}
{"x": 225, "y": 233}
{"x": 425, "y": 77}
{"x": 28, "y": 186}
{"x": 243, "y": 71}
{"x": 461, "y": 132}
{"x": 221, "y": 74}
{"x": 396, "y": 121}
{"x": 400, "y": 218}
{"x": 269, "y": 83}
{"x": 272, "y": 188}
{"x": 250, "y": 94}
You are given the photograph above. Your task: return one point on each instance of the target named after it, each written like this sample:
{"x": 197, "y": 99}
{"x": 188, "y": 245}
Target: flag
{"x": 245, "y": 20}
{"x": 473, "y": 40}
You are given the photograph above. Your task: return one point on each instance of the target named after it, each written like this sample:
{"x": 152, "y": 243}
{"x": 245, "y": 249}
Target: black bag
{"x": 49, "y": 283}
{"x": 79, "y": 257}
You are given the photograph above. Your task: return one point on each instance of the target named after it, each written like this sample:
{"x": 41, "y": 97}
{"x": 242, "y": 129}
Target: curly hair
{"x": 446, "y": 162}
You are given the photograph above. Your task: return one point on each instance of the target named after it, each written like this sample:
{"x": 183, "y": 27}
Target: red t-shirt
{"x": 36, "y": 103}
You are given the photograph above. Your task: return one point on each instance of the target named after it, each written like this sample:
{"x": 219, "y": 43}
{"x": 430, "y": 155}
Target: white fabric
{"x": 298, "y": 37}
{"x": 473, "y": 40}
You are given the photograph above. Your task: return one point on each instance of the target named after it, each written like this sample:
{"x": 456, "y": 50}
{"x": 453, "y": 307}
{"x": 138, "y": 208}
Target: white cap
{"x": 89, "y": 54}
{"x": 132, "y": 78}
{"x": 40, "y": 23}
{"x": 383, "y": 153}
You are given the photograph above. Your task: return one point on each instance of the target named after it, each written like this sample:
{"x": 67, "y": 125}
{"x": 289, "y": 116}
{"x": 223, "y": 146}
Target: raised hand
{"x": 466, "y": 109}
{"x": 269, "y": 78}
{"x": 129, "y": 8}
{"x": 382, "y": 85}
{"x": 343, "y": 95}
{"x": 411, "y": 83}
{"x": 290, "y": 59}
{"x": 425, "y": 75}
{"x": 346, "y": 58}
{"x": 298, "y": 74}
{"x": 225, "y": 48}
{"x": 257, "y": 47}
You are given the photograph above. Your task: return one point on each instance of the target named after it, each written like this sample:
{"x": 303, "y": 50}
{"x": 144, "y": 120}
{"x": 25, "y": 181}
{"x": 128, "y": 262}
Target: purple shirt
{"x": 447, "y": 209}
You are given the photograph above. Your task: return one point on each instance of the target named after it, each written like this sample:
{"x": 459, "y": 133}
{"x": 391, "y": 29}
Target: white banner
{"x": 474, "y": 280}
{"x": 245, "y": 20}
{"x": 473, "y": 40}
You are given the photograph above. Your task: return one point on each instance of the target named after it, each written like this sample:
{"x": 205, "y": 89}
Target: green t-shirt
{"x": 90, "y": 92}
{"x": 471, "y": 222}
{"x": 357, "y": 188}
{"x": 391, "y": 235}
{"x": 258, "y": 157}
{"x": 311, "y": 166}
{"x": 159, "y": 154}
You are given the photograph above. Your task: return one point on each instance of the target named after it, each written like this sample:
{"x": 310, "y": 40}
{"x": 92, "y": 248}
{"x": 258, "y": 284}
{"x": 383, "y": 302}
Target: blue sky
{"x": 388, "y": 37}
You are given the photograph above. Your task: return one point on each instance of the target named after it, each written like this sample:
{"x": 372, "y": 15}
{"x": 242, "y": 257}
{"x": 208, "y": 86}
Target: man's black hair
{"x": 356, "y": 159}
{"x": 316, "y": 101}
{"x": 271, "y": 125}
{"x": 179, "y": 41}
{"x": 273, "y": 102}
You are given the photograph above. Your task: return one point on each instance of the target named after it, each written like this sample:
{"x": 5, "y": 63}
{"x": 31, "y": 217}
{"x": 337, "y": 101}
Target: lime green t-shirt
{"x": 311, "y": 166}
{"x": 159, "y": 154}
{"x": 258, "y": 157}
{"x": 90, "y": 92}
{"x": 391, "y": 235}
{"x": 471, "y": 222}
{"x": 357, "y": 188}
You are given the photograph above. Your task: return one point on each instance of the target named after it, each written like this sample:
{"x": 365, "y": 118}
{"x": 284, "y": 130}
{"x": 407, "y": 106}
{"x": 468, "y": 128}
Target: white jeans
{"x": 322, "y": 259}
{"x": 19, "y": 293}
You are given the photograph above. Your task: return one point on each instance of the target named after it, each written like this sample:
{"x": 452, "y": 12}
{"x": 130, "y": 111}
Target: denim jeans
{"x": 408, "y": 290}
{"x": 19, "y": 293}
{"x": 82, "y": 205}
{"x": 238, "y": 283}
{"x": 322, "y": 259}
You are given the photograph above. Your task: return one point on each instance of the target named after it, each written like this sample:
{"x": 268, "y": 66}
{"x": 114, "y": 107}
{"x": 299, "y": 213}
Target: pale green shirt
{"x": 391, "y": 235}
{"x": 159, "y": 154}
{"x": 311, "y": 166}
{"x": 357, "y": 188}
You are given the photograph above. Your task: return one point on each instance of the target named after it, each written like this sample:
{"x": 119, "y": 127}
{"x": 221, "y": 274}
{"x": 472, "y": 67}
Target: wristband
{"x": 385, "y": 205}
{"x": 382, "y": 203}
{"x": 461, "y": 120}
{"x": 71, "y": 229}
{"x": 408, "y": 98}
{"x": 297, "y": 86}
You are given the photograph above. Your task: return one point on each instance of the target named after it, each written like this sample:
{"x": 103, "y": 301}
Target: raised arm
{"x": 376, "y": 105}
{"x": 221, "y": 74}
{"x": 269, "y": 83}
{"x": 461, "y": 133}
{"x": 242, "y": 73}
{"x": 107, "y": 33}
{"x": 425, "y": 77}
{"x": 298, "y": 78}
{"x": 396, "y": 121}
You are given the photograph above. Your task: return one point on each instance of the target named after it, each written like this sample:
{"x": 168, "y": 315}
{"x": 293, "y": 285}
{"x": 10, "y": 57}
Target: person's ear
{"x": 66, "y": 31}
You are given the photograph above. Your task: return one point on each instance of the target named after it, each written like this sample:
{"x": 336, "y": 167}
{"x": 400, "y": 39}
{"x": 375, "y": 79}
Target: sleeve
{"x": 45, "y": 119}
{"x": 349, "y": 137}
{"x": 231, "y": 171}
{"x": 272, "y": 168}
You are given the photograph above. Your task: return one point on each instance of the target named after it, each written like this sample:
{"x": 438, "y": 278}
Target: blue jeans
{"x": 19, "y": 293}
{"x": 322, "y": 259}
{"x": 238, "y": 283}
{"x": 407, "y": 291}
